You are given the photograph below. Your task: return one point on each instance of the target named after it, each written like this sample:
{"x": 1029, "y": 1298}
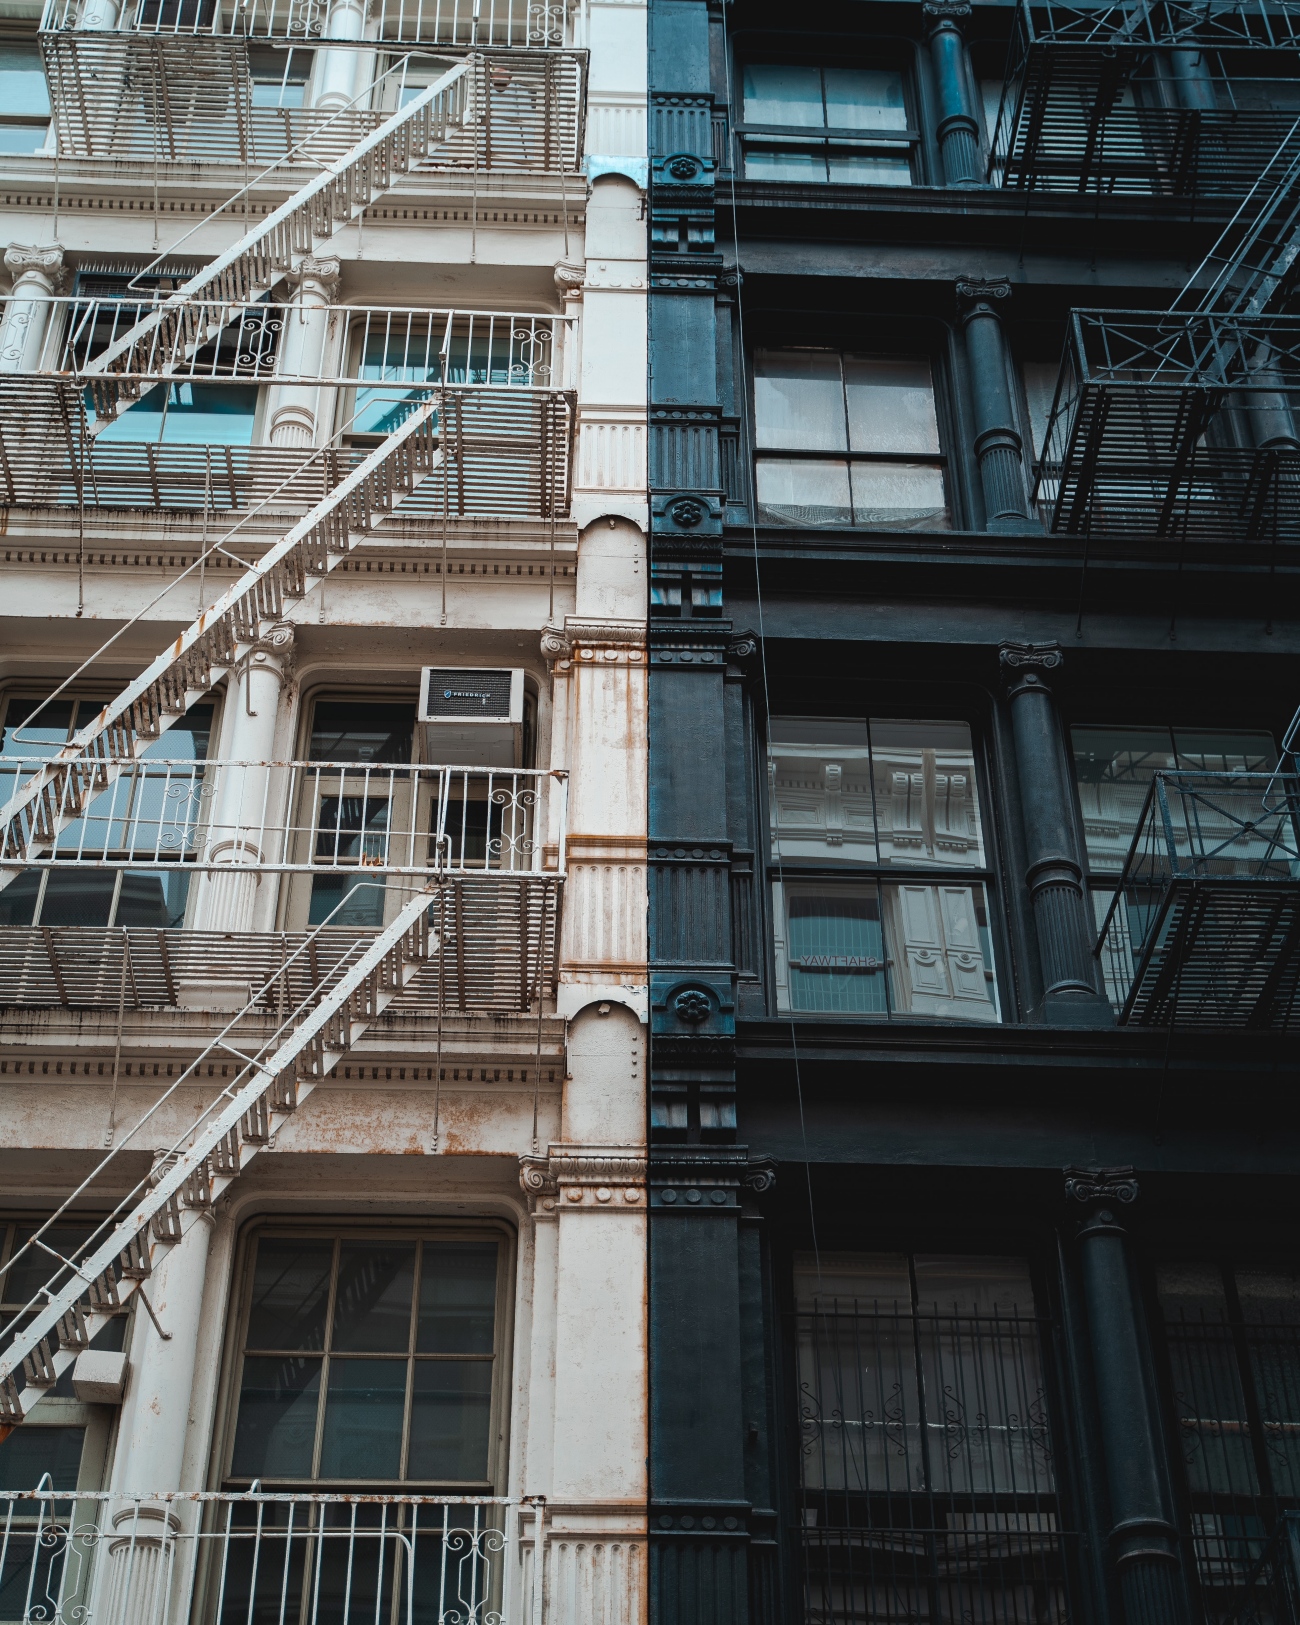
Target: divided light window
{"x": 83, "y": 894}
{"x": 927, "y": 1471}
{"x": 864, "y": 817}
{"x": 370, "y": 1359}
{"x": 848, "y": 439}
{"x": 1232, "y": 1347}
{"x": 24, "y": 95}
{"x": 848, "y": 126}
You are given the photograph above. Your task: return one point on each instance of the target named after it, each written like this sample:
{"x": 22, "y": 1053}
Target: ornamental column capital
{"x": 1028, "y": 666}
{"x": 317, "y": 278}
{"x": 26, "y": 262}
{"x": 585, "y": 1179}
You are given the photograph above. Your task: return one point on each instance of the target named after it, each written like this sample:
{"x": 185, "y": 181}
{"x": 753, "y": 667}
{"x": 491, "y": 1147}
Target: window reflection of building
{"x": 878, "y": 799}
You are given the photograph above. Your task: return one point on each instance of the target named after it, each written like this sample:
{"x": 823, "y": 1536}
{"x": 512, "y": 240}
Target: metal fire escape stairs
{"x": 83, "y": 1295}
{"x": 275, "y": 587}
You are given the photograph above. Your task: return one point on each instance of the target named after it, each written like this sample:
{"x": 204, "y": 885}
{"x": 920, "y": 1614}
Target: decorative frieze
{"x": 585, "y": 1178}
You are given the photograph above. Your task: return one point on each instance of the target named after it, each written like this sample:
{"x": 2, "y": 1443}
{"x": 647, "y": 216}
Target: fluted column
{"x": 1054, "y": 870}
{"x": 248, "y": 813}
{"x": 998, "y": 447}
{"x": 298, "y": 414}
{"x": 1143, "y": 1540}
{"x": 336, "y": 71}
{"x": 139, "y": 1538}
{"x": 37, "y": 274}
{"x": 958, "y": 128}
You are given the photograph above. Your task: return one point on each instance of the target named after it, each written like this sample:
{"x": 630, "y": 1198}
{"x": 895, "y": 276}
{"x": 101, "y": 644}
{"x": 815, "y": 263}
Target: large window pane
{"x": 276, "y": 1430}
{"x": 352, "y": 827}
{"x": 291, "y": 1285}
{"x": 341, "y": 899}
{"x": 451, "y": 1409}
{"x": 846, "y": 168}
{"x": 927, "y": 811}
{"x": 458, "y": 1288}
{"x": 189, "y": 414}
{"x": 836, "y": 952}
{"x": 153, "y": 898}
{"x": 23, "y": 91}
{"x": 781, "y": 94}
{"x": 372, "y": 1309}
{"x": 1113, "y": 768}
{"x": 803, "y": 493}
{"x": 80, "y": 896}
{"x": 939, "y": 951}
{"x": 799, "y": 400}
{"x": 890, "y": 404}
{"x": 898, "y": 496}
{"x": 864, "y": 99}
{"x": 32, "y": 1451}
{"x": 363, "y": 1419}
{"x": 361, "y": 731}
{"x": 803, "y": 165}
{"x": 820, "y": 803}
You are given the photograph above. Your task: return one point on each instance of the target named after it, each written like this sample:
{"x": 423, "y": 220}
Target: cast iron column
{"x": 958, "y": 130}
{"x": 998, "y": 445}
{"x": 1054, "y": 871}
{"x": 1143, "y": 1541}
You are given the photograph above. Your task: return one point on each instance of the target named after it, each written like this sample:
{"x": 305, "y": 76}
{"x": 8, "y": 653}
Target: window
{"x": 927, "y": 1472}
{"x": 189, "y": 414}
{"x": 371, "y": 1359}
{"x": 1232, "y": 1346}
{"x": 876, "y": 412}
{"x": 279, "y": 77}
{"x": 24, "y": 97}
{"x": 863, "y": 130}
{"x": 140, "y": 811}
{"x": 861, "y": 815}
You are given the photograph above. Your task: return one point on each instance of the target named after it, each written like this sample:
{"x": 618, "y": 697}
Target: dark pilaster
{"x": 1054, "y": 872}
{"x": 1143, "y": 1540}
{"x": 958, "y": 129}
{"x": 997, "y": 440}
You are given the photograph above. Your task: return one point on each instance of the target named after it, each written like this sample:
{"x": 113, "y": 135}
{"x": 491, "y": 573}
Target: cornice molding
{"x": 585, "y": 1179}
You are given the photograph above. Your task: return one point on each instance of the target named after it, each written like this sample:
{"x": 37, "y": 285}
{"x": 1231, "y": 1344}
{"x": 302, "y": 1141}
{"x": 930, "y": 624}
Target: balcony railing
{"x": 279, "y": 1559}
{"x": 1175, "y": 429}
{"x": 1268, "y": 1592}
{"x": 164, "y": 97}
{"x": 1204, "y": 927}
{"x": 534, "y": 23}
{"x": 134, "y": 902}
{"x": 1091, "y": 101}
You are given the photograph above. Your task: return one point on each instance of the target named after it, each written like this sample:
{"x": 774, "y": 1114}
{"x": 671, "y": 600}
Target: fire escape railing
{"x": 1157, "y": 99}
{"x": 1204, "y": 927}
{"x": 1175, "y": 428}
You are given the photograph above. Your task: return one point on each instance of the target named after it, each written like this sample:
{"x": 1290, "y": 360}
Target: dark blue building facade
{"x": 975, "y": 906}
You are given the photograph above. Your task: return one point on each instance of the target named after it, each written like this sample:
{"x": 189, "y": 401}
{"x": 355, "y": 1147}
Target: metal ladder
{"x": 191, "y": 317}
{"x": 271, "y": 590}
{"x": 267, "y": 1089}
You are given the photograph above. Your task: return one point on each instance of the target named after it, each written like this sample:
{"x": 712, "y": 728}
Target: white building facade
{"x": 323, "y": 981}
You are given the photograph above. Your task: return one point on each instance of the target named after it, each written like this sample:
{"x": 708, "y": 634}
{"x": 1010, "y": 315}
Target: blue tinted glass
{"x": 341, "y": 899}
{"x": 189, "y": 414}
{"x": 22, "y": 81}
{"x": 154, "y": 897}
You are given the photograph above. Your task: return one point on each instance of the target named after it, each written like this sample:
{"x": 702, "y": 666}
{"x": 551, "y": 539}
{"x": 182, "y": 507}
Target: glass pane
{"x": 898, "y": 496}
{"x": 361, "y": 897}
{"x": 458, "y": 1291}
{"x": 781, "y": 94}
{"x": 1232, "y": 751}
{"x": 1208, "y": 1397}
{"x": 451, "y": 1410}
{"x": 799, "y": 400}
{"x": 868, "y": 168}
{"x": 803, "y": 493}
{"x": 1113, "y": 768}
{"x": 372, "y": 1302}
{"x": 927, "y": 811}
{"x": 31, "y": 1451}
{"x": 865, "y": 99}
{"x": 290, "y": 1294}
{"x": 22, "y": 80}
{"x": 276, "y": 1428}
{"x": 24, "y": 1279}
{"x": 186, "y": 740}
{"x": 848, "y": 1281}
{"x": 153, "y": 898}
{"x": 820, "y": 790}
{"x": 891, "y": 405}
{"x": 974, "y": 1286}
{"x": 1040, "y": 379}
{"x": 78, "y": 897}
{"x": 23, "y": 137}
{"x": 41, "y": 737}
{"x": 940, "y": 956}
{"x": 352, "y": 827}
{"x": 363, "y": 1419}
{"x": 19, "y": 898}
{"x": 189, "y": 414}
{"x": 1270, "y": 1306}
{"x": 347, "y": 731}
{"x": 836, "y": 954}
{"x": 804, "y": 165}
{"x": 409, "y": 355}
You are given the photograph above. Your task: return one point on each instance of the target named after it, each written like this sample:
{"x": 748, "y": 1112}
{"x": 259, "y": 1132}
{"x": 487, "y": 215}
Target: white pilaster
{"x": 37, "y": 274}
{"x": 336, "y": 71}
{"x": 300, "y": 414}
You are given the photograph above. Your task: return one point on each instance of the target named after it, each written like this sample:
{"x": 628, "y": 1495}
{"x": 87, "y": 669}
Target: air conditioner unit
{"x": 472, "y": 717}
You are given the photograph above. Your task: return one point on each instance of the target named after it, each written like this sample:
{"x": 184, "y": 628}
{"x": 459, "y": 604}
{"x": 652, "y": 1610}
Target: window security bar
{"x": 1088, "y": 107}
{"x": 158, "y": 98}
{"x": 307, "y": 22}
{"x": 283, "y": 1559}
{"x": 1174, "y": 428}
{"x": 299, "y": 818}
{"x": 1204, "y": 926}
{"x": 387, "y": 348}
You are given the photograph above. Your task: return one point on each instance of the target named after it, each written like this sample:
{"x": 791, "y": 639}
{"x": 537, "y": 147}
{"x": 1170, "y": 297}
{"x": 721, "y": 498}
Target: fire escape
{"x": 467, "y": 415}
{"x": 1160, "y": 99}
